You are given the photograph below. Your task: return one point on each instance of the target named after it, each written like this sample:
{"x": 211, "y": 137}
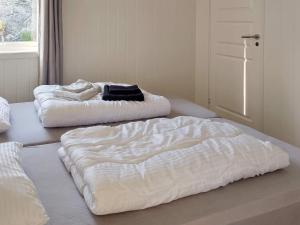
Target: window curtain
{"x": 50, "y": 42}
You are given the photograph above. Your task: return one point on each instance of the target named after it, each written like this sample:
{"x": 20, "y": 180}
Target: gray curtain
{"x": 50, "y": 42}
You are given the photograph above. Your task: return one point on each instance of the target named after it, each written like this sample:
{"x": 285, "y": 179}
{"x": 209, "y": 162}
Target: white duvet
{"x": 4, "y": 115}
{"x": 19, "y": 202}
{"x": 56, "y": 112}
{"x": 143, "y": 164}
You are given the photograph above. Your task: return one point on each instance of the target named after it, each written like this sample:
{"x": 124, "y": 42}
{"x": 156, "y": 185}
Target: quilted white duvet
{"x": 56, "y": 112}
{"x": 143, "y": 164}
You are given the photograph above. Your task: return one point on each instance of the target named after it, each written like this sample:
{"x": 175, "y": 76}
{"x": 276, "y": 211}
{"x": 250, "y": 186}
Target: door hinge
{"x": 209, "y": 101}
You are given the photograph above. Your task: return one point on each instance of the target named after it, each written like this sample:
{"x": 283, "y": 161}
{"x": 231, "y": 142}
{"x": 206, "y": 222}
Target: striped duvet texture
{"x": 144, "y": 164}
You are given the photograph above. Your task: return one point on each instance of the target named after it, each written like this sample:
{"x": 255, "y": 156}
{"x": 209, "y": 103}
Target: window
{"x": 18, "y": 25}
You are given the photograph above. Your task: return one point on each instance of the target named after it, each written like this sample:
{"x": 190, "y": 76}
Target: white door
{"x": 236, "y": 60}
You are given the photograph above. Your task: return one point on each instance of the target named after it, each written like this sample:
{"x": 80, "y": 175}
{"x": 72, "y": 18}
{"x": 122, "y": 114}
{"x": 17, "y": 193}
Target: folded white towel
{"x": 78, "y": 87}
{"x": 82, "y": 96}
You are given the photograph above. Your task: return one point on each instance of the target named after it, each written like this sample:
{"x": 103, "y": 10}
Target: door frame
{"x": 260, "y": 124}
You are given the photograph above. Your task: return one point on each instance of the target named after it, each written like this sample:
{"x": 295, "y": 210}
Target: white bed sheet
{"x": 143, "y": 164}
{"x": 55, "y": 112}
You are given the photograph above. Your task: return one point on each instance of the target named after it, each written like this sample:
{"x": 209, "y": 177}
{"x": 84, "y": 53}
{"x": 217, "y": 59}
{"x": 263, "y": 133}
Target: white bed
{"x": 56, "y": 112}
{"x": 144, "y": 164}
{"x": 24, "y": 115}
{"x": 272, "y": 199}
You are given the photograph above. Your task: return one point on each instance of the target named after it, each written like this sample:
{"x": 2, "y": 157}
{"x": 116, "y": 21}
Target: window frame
{"x": 23, "y": 46}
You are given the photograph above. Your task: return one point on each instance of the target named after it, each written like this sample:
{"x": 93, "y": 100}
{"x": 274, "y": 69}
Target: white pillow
{"x": 19, "y": 204}
{"x": 4, "y": 115}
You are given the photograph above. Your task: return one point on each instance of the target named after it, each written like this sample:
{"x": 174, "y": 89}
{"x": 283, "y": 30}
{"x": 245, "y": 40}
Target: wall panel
{"x": 150, "y": 42}
{"x": 18, "y": 76}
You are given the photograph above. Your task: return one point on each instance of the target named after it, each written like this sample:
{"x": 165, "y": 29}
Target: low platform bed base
{"x": 272, "y": 199}
{"x": 27, "y": 129}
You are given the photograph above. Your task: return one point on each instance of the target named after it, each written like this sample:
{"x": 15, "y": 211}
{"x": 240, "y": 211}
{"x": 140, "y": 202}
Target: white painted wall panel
{"x": 282, "y": 70}
{"x": 202, "y": 51}
{"x": 18, "y": 76}
{"x": 150, "y": 42}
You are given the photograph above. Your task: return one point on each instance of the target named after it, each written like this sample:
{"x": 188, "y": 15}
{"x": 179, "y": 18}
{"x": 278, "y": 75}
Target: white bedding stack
{"x": 81, "y": 90}
{"x": 59, "y": 112}
{"x": 143, "y": 164}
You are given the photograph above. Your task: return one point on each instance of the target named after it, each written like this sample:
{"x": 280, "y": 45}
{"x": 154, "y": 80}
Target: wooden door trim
{"x": 211, "y": 98}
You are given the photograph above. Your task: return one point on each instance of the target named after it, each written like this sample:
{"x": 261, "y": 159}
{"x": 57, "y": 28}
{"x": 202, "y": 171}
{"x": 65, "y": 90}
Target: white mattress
{"x": 55, "y": 112}
{"x": 143, "y": 164}
{"x": 24, "y": 115}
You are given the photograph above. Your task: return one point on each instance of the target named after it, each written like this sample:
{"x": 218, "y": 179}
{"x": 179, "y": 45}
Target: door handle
{"x": 255, "y": 36}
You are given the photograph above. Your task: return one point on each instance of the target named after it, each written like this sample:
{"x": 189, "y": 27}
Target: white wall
{"x": 150, "y": 42}
{"x": 282, "y": 70}
{"x": 202, "y": 51}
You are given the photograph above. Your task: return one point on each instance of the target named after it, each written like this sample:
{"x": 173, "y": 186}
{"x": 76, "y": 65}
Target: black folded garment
{"x": 135, "y": 96}
{"x": 120, "y": 90}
